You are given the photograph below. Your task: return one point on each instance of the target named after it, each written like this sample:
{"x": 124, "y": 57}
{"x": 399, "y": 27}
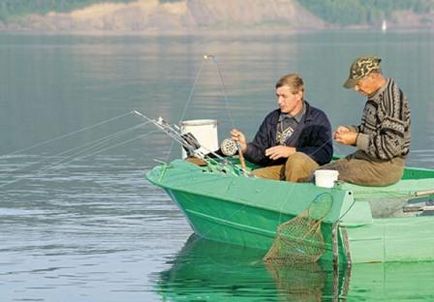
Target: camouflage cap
{"x": 360, "y": 68}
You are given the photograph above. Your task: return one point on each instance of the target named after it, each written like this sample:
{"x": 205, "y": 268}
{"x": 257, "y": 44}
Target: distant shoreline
{"x": 196, "y": 17}
{"x": 213, "y": 32}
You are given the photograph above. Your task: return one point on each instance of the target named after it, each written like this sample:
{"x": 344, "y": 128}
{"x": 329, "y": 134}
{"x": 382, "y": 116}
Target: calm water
{"x": 78, "y": 220}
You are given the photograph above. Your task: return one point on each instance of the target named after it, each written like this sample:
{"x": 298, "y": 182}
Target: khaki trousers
{"x": 358, "y": 168}
{"x": 298, "y": 168}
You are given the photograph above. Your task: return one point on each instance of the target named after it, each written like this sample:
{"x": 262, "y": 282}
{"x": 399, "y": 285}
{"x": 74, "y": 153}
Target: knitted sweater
{"x": 384, "y": 132}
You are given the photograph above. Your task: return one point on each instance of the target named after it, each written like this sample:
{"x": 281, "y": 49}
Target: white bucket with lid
{"x": 205, "y": 131}
{"x": 326, "y": 178}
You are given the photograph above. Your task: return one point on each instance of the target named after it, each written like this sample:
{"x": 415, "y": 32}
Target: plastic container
{"x": 326, "y": 178}
{"x": 205, "y": 131}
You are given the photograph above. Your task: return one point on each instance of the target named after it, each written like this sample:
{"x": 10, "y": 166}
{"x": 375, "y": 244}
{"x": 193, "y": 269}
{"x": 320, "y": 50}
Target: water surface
{"x": 80, "y": 222}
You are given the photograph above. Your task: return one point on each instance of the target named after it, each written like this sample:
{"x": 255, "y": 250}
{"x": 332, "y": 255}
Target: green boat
{"x": 364, "y": 224}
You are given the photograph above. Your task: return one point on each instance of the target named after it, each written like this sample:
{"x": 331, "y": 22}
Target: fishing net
{"x": 299, "y": 282}
{"x": 300, "y": 239}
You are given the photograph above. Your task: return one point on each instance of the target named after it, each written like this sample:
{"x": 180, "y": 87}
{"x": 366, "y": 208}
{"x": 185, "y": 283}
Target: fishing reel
{"x": 228, "y": 147}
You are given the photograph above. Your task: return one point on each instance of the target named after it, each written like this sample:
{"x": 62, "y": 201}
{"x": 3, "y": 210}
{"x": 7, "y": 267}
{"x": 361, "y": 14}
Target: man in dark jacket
{"x": 293, "y": 140}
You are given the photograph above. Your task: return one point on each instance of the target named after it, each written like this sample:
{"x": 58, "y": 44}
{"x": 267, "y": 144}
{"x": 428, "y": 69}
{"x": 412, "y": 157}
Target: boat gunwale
{"x": 244, "y": 202}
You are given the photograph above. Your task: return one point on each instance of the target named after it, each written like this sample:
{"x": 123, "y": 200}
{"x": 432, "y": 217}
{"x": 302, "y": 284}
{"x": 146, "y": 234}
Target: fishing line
{"x": 67, "y": 134}
{"x": 108, "y": 138}
{"x": 88, "y": 147}
{"x": 75, "y": 157}
{"x": 72, "y": 159}
{"x": 206, "y": 57}
{"x": 120, "y": 144}
{"x": 225, "y": 95}
{"x": 184, "y": 110}
{"x": 229, "y": 112}
{"x": 192, "y": 90}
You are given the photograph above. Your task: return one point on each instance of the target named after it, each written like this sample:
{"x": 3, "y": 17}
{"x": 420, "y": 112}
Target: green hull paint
{"x": 246, "y": 211}
{"x": 235, "y": 223}
{"x": 393, "y": 239}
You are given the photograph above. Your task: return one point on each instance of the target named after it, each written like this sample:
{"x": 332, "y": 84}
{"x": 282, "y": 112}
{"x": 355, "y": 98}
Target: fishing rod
{"x": 188, "y": 141}
{"x": 229, "y": 148}
{"x": 226, "y": 102}
{"x": 192, "y": 145}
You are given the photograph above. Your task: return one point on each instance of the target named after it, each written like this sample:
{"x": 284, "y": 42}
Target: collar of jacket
{"x": 306, "y": 116}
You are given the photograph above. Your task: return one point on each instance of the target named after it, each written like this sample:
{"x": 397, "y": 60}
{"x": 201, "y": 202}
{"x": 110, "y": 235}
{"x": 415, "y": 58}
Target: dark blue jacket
{"x": 312, "y": 137}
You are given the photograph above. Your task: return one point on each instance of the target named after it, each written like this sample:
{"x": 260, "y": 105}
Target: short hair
{"x": 293, "y": 81}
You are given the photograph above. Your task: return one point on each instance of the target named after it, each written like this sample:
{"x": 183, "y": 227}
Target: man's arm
{"x": 389, "y": 138}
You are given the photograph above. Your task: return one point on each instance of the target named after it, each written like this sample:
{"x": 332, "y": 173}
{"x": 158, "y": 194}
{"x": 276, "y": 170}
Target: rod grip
{"x": 424, "y": 193}
{"x": 242, "y": 161}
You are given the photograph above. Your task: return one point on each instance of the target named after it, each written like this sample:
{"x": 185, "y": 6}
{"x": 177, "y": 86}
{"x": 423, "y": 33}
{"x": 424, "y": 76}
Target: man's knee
{"x": 299, "y": 167}
{"x": 299, "y": 159}
{"x": 271, "y": 172}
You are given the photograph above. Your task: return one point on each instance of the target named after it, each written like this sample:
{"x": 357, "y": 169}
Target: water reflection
{"x": 209, "y": 271}
{"x": 411, "y": 281}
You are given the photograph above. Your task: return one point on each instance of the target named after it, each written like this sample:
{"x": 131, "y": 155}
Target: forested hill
{"x": 181, "y": 15}
{"x": 353, "y": 12}
{"x": 11, "y": 9}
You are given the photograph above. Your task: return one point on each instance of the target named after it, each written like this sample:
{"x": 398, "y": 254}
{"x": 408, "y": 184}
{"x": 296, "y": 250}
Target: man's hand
{"x": 345, "y": 136}
{"x": 238, "y": 137}
{"x": 277, "y": 152}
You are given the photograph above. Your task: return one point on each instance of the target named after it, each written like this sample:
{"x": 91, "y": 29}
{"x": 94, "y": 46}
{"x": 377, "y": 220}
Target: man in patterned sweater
{"x": 383, "y": 136}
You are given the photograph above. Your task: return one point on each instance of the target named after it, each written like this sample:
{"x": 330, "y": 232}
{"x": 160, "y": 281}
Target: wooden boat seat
{"x": 197, "y": 161}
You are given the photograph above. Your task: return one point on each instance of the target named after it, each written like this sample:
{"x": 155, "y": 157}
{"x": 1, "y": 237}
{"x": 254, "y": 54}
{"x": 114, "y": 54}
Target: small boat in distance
{"x": 384, "y": 26}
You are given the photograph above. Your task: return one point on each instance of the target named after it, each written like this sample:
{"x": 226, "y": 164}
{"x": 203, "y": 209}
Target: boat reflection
{"x": 395, "y": 281}
{"x": 209, "y": 271}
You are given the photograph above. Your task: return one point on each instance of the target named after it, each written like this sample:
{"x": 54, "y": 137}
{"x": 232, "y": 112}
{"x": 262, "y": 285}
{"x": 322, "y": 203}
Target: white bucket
{"x": 326, "y": 178}
{"x": 205, "y": 131}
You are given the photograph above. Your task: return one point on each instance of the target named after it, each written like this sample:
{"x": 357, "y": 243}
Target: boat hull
{"x": 404, "y": 239}
{"x": 247, "y": 211}
{"x": 228, "y": 222}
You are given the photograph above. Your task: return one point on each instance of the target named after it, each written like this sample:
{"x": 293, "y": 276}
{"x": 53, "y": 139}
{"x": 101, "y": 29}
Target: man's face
{"x": 288, "y": 101}
{"x": 366, "y": 86}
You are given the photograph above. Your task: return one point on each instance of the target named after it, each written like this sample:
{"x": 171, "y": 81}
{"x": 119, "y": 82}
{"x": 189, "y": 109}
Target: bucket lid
{"x": 198, "y": 122}
{"x": 326, "y": 172}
